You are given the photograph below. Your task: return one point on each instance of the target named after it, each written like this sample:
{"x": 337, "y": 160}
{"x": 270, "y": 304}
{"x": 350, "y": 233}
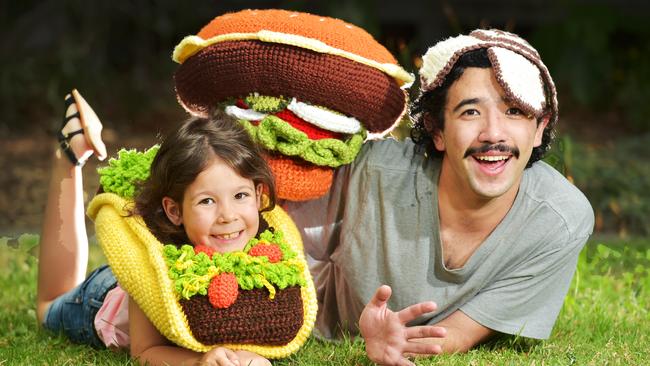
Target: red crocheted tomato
{"x": 204, "y": 249}
{"x": 271, "y": 251}
{"x": 223, "y": 290}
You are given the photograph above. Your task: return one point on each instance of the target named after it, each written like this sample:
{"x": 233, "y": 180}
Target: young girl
{"x": 204, "y": 188}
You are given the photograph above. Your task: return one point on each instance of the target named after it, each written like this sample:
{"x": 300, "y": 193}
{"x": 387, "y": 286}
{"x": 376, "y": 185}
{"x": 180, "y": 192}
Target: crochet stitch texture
{"x": 517, "y": 65}
{"x": 341, "y": 84}
{"x": 136, "y": 258}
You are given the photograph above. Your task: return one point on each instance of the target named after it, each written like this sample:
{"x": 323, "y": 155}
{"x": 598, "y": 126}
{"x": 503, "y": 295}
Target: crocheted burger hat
{"x": 310, "y": 89}
{"x": 517, "y": 65}
{"x": 261, "y": 299}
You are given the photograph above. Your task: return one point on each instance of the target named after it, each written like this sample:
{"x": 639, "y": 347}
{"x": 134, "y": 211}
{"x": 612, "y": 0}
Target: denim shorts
{"x": 73, "y": 313}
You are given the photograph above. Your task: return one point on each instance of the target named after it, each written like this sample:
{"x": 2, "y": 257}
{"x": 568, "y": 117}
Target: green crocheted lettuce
{"x": 122, "y": 174}
{"x": 264, "y": 262}
{"x": 265, "y": 103}
{"x": 275, "y": 134}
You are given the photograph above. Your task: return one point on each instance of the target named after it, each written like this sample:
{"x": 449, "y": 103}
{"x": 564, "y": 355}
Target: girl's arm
{"x": 149, "y": 347}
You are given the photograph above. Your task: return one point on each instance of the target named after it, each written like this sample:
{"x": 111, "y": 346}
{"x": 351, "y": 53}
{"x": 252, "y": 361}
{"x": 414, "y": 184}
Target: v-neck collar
{"x": 460, "y": 274}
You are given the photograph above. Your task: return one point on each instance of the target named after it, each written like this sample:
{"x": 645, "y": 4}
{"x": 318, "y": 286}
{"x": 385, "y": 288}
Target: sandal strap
{"x": 70, "y": 117}
{"x": 64, "y": 139}
{"x": 68, "y": 102}
{"x": 65, "y": 147}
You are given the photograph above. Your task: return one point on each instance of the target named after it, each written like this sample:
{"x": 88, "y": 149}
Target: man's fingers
{"x": 425, "y": 331}
{"x": 421, "y": 349}
{"x": 381, "y": 296}
{"x": 405, "y": 362}
{"x": 409, "y": 313}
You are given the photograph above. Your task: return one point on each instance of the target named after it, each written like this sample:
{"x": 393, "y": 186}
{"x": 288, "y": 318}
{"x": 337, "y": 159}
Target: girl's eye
{"x": 206, "y": 201}
{"x": 241, "y": 195}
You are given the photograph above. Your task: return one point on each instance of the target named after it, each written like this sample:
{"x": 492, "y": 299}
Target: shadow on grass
{"x": 512, "y": 343}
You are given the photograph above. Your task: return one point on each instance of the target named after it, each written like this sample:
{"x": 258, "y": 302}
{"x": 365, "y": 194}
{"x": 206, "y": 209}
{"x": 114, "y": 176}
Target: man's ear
{"x": 172, "y": 210}
{"x": 541, "y": 126}
{"x": 438, "y": 141}
{"x": 436, "y": 134}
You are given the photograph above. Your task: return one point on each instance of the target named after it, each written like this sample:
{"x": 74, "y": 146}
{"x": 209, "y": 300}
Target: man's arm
{"x": 463, "y": 333}
{"x": 389, "y": 340}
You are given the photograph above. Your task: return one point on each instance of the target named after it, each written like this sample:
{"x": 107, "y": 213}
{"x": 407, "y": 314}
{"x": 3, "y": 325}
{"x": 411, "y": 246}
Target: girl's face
{"x": 220, "y": 208}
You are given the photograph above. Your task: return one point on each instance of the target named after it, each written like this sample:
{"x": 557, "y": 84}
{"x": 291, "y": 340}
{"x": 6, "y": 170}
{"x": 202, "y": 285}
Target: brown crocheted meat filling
{"x": 252, "y": 319}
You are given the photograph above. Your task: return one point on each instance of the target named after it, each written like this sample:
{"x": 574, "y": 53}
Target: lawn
{"x": 605, "y": 319}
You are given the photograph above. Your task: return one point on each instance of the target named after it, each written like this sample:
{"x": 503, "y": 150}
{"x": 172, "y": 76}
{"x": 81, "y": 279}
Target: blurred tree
{"x": 599, "y": 55}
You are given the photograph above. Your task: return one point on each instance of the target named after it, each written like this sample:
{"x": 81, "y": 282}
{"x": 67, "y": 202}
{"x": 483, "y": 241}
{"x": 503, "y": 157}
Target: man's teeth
{"x": 492, "y": 158}
{"x": 228, "y": 236}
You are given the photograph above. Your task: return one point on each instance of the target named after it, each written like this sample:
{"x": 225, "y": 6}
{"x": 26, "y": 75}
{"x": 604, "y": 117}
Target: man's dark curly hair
{"x": 428, "y": 110}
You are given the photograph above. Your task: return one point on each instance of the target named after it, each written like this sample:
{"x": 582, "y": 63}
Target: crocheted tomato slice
{"x": 204, "y": 249}
{"x": 223, "y": 290}
{"x": 271, "y": 251}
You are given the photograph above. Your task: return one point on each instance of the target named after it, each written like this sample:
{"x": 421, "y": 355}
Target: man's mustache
{"x": 492, "y": 147}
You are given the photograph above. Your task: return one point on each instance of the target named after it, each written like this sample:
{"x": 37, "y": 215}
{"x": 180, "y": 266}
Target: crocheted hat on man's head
{"x": 310, "y": 89}
{"x": 517, "y": 65}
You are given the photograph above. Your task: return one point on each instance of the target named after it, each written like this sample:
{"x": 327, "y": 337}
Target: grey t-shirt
{"x": 379, "y": 225}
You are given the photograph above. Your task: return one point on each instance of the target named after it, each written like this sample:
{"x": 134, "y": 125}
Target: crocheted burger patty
{"x": 244, "y": 67}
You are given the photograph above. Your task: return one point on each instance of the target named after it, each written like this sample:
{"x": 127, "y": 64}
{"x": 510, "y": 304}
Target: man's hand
{"x": 388, "y": 338}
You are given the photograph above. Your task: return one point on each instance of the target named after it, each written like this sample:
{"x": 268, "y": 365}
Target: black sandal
{"x": 64, "y": 140}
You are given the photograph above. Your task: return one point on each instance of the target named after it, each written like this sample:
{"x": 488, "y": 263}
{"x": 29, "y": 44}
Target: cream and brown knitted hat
{"x": 517, "y": 65}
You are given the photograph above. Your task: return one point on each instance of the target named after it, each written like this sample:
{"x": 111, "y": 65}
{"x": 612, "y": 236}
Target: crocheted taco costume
{"x": 261, "y": 299}
{"x": 309, "y": 89}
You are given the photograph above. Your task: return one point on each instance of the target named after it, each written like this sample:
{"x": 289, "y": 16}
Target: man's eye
{"x": 470, "y": 112}
{"x": 514, "y": 112}
{"x": 241, "y": 195}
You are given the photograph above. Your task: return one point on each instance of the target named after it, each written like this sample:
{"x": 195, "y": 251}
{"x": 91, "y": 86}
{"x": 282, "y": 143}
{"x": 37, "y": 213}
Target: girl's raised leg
{"x": 63, "y": 255}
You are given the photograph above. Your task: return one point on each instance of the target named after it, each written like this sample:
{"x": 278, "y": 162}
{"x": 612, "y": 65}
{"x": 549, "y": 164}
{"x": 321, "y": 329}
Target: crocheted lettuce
{"x": 268, "y": 126}
{"x": 265, "y": 103}
{"x": 122, "y": 174}
{"x": 274, "y": 134}
{"x": 265, "y": 262}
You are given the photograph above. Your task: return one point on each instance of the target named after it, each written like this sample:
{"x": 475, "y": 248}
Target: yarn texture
{"x": 138, "y": 262}
{"x": 121, "y": 173}
{"x": 308, "y": 88}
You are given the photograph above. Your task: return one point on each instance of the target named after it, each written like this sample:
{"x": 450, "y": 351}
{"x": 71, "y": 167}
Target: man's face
{"x": 487, "y": 140}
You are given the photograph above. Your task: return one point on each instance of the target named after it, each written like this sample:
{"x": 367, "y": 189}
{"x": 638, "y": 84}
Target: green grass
{"x": 605, "y": 319}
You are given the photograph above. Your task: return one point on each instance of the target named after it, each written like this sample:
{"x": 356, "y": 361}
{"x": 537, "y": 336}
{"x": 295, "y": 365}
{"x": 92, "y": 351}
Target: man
{"x": 465, "y": 215}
